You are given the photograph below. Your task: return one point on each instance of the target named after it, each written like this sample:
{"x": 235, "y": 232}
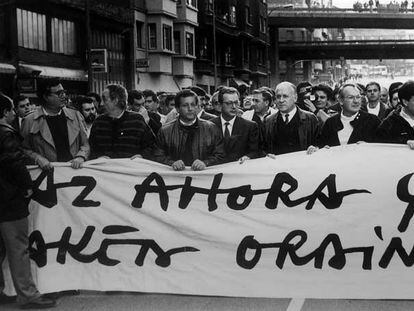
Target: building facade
{"x": 239, "y": 28}
{"x": 54, "y": 39}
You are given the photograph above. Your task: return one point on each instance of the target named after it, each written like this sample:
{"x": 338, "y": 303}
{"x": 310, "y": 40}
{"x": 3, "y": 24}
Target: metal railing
{"x": 346, "y": 42}
{"x": 381, "y": 10}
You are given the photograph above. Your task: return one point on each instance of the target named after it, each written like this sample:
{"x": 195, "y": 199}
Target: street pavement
{"x": 149, "y": 302}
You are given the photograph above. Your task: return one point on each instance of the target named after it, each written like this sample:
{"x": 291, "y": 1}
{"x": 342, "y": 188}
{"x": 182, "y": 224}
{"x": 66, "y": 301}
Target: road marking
{"x": 296, "y": 304}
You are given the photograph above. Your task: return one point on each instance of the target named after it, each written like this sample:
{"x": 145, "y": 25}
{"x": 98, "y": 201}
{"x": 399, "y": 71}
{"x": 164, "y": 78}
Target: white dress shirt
{"x": 374, "y": 111}
{"x": 290, "y": 114}
{"x": 230, "y": 126}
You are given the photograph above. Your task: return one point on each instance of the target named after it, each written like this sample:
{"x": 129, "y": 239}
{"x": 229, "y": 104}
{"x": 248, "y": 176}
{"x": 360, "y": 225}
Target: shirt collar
{"x": 407, "y": 117}
{"x": 290, "y": 113}
{"x": 47, "y": 114}
{"x": 344, "y": 117}
{"x": 200, "y": 113}
{"x": 231, "y": 122}
{"x": 187, "y": 124}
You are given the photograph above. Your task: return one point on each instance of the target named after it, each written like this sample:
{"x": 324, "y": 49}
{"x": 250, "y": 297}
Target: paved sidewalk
{"x": 150, "y": 302}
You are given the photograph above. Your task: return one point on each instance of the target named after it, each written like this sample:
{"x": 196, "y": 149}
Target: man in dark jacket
{"x": 136, "y": 102}
{"x": 291, "y": 128}
{"x": 241, "y": 137}
{"x": 397, "y": 128}
{"x": 15, "y": 192}
{"x": 374, "y": 105}
{"x": 119, "y": 133}
{"x": 351, "y": 125}
{"x": 189, "y": 141}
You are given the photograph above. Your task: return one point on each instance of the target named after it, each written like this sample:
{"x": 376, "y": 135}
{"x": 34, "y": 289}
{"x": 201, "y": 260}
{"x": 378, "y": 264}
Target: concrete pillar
{"x": 290, "y": 70}
{"x": 307, "y": 70}
{"x": 274, "y": 56}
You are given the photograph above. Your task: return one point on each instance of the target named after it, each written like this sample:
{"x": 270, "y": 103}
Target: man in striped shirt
{"x": 119, "y": 133}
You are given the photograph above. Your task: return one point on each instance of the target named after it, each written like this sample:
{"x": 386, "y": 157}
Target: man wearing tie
{"x": 240, "y": 136}
{"x": 291, "y": 128}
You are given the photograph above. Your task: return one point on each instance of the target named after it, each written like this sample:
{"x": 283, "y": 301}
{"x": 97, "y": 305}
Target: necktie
{"x": 226, "y": 130}
{"x": 286, "y": 118}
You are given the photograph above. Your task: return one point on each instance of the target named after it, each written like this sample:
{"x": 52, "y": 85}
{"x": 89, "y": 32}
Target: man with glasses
{"x": 240, "y": 136}
{"x": 374, "y": 105}
{"x": 189, "y": 141}
{"x": 351, "y": 125}
{"x": 54, "y": 133}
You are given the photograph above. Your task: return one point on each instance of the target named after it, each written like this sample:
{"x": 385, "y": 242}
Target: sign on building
{"x": 99, "y": 60}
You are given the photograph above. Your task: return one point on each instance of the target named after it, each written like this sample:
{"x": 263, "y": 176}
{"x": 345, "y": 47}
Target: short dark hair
{"x": 134, "y": 94}
{"x": 18, "y": 99}
{"x": 304, "y": 84}
{"x": 169, "y": 97}
{"x": 150, "y": 93}
{"x": 267, "y": 96}
{"x": 44, "y": 86}
{"x": 80, "y": 100}
{"x": 6, "y": 104}
{"x": 95, "y": 95}
{"x": 270, "y": 90}
{"x": 373, "y": 83}
{"x": 406, "y": 90}
{"x": 226, "y": 90}
{"x": 119, "y": 92}
{"x": 183, "y": 94}
{"x": 324, "y": 88}
{"x": 394, "y": 87}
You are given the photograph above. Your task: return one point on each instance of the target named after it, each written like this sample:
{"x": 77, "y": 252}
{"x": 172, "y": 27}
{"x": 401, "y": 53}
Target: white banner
{"x": 336, "y": 224}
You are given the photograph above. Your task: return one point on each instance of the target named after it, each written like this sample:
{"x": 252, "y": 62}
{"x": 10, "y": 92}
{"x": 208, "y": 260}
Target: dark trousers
{"x": 14, "y": 243}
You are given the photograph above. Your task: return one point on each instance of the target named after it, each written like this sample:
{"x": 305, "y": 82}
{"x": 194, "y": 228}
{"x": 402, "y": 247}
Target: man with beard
{"x": 87, "y": 108}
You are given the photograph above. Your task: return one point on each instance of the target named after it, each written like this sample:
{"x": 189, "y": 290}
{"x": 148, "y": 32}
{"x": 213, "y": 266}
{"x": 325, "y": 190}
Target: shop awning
{"x": 54, "y": 72}
{"x": 7, "y": 68}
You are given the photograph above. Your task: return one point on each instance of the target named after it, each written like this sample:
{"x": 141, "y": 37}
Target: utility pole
{"x": 88, "y": 43}
{"x": 214, "y": 46}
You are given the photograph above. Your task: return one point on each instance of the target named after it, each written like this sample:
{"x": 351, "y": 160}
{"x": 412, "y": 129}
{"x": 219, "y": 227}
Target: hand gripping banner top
{"x": 335, "y": 224}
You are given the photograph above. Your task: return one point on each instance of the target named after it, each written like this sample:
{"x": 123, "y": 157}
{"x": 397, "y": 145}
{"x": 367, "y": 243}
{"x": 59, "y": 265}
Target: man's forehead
{"x": 231, "y": 96}
{"x": 139, "y": 101}
{"x": 88, "y": 105}
{"x": 188, "y": 100}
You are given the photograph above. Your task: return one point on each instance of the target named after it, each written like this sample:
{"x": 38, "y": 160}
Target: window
{"x": 177, "y": 42}
{"x": 262, "y": 24}
{"x": 192, "y": 3}
{"x": 189, "y": 43}
{"x": 260, "y": 56}
{"x": 210, "y": 5}
{"x": 233, "y": 14}
{"x": 140, "y": 41}
{"x": 247, "y": 15}
{"x": 152, "y": 36}
{"x": 167, "y": 39}
{"x": 290, "y": 35}
{"x": 228, "y": 57}
{"x": 246, "y": 52}
{"x": 63, "y": 36}
{"x": 203, "y": 48}
{"x": 31, "y": 30}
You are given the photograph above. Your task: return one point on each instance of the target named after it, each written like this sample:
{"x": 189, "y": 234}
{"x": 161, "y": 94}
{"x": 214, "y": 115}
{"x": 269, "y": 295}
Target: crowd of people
{"x": 392, "y": 6}
{"x": 187, "y": 130}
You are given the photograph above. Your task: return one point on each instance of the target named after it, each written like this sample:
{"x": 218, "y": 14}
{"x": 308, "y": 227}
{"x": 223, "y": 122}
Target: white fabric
{"x": 374, "y": 111}
{"x": 346, "y": 132}
{"x": 357, "y": 207}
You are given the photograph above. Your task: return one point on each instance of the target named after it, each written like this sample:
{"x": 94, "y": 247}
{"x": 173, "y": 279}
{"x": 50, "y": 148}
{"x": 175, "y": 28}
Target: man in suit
{"x": 240, "y": 136}
{"x": 291, "y": 128}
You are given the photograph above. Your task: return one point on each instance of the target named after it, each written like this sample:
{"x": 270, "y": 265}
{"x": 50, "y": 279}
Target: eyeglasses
{"x": 233, "y": 103}
{"x": 350, "y": 97}
{"x": 59, "y": 93}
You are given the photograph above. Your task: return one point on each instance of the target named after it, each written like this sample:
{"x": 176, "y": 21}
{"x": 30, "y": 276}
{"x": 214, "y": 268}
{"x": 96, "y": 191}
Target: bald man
{"x": 291, "y": 129}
